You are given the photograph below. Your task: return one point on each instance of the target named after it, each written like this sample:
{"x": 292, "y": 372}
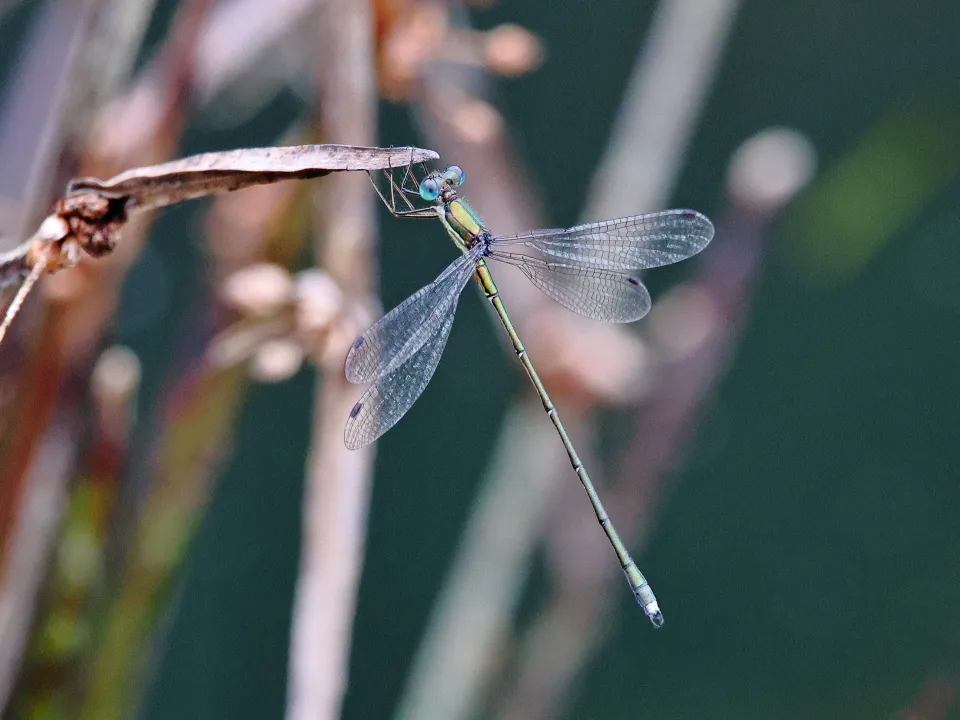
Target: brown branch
{"x": 42, "y": 404}
{"x": 92, "y": 214}
{"x": 606, "y": 366}
{"x": 577, "y": 619}
{"x": 211, "y": 173}
{"x": 337, "y": 480}
{"x": 75, "y": 321}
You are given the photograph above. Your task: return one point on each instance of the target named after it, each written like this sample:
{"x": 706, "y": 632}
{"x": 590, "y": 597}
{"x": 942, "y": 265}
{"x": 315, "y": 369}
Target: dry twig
{"x": 338, "y": 481}
{"x": 93, "y": 212}
{"x": 470, "y": 623}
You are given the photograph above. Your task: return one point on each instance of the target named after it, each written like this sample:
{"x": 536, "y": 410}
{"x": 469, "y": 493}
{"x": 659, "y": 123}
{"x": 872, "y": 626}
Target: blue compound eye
{"x": 453, "y": 175}
{"x": 429, "y": 189}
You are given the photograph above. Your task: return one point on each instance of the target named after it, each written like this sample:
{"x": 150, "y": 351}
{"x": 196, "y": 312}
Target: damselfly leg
{"x": 409, "y": 185}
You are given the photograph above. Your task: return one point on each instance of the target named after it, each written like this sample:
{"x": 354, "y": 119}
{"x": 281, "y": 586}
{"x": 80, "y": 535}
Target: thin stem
{"x": 14, "y": 265}
{"x": 338, "y": 481}
{"x": 21, "y": 296}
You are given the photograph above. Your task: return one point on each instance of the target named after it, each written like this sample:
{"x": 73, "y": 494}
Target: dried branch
{"x": 671, "y": 80}
{"x": 40, "y": 105}
{"x": 48, "y": 678}
{"x": 92, "y": 214}
{"x": 338, "y": 481}
{"x": 194, "y": 433}
{"x": 470, "y": 622}
{"x": 59, "y": 75}
{"x": 668, "y": 88}
{"x": 189, "y": 452}
{"x": 576, "y": 621}
{"x": 90, "y": 221}
{"x": 40, "y": 515}
{"x": 216, "y": 172}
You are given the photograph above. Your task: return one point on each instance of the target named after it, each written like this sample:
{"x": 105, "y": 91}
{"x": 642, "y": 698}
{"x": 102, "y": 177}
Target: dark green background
{"x": 808, "y": 553}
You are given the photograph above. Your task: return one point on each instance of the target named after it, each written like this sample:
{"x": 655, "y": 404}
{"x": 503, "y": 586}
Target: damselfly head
{"x": 453, "y": 176}
{"x": 434, "y": 184}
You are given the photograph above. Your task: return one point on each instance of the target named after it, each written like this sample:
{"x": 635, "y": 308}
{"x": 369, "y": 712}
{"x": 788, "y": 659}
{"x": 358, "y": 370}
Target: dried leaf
{"x": 217, "y": 172}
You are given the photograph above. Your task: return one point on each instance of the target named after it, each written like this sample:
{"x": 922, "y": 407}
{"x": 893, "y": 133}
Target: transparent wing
{"x": 393, "y": 394}
{"x": 631, "y": 243}
{"x": 392, "y": 340}
{"x": 593, "y": 292}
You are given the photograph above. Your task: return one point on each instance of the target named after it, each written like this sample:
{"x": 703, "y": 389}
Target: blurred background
{"x": 182, "y": 532}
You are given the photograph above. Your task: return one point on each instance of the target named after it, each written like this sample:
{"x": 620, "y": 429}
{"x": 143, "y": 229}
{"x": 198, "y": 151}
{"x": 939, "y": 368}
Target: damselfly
{"x": 589, "y": 269}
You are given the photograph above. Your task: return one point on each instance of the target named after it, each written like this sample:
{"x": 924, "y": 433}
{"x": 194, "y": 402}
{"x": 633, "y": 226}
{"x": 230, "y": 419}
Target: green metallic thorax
{"x": 461, "y": 222}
